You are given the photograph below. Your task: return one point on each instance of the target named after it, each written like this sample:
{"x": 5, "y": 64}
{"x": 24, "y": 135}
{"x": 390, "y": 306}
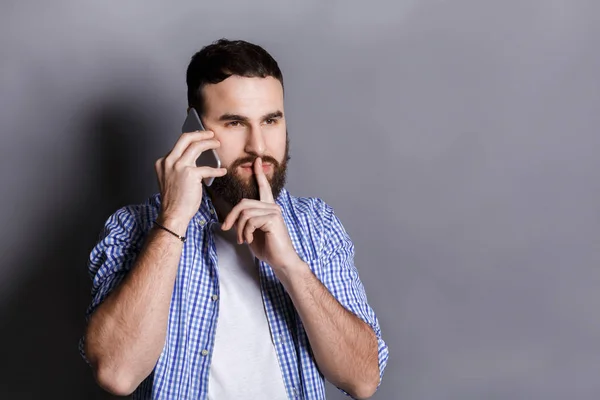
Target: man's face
{"x": 246, "y": 115}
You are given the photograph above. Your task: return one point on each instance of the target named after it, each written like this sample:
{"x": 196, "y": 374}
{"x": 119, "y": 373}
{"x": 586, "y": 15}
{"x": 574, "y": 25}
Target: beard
{"x": 232, "y": 187}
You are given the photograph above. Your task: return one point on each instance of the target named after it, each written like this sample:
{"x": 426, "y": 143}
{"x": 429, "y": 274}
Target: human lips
{"x": 250, "y": 167}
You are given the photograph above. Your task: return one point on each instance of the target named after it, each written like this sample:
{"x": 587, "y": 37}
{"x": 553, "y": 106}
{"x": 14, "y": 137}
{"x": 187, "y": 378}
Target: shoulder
{"x": 134, "y": 218}
{"x": 313, "y": 210}
{"x": 312, "y": 223}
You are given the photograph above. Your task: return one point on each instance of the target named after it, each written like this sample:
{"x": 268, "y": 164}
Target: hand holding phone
{"x": 178, "y": 176}
{"x": 208, "y": 158}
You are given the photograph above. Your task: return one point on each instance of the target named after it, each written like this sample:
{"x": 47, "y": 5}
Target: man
{"x": 237, "y": 290}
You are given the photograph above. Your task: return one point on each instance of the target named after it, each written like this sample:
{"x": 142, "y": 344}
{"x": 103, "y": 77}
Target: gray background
{"x": 456, "y": 140}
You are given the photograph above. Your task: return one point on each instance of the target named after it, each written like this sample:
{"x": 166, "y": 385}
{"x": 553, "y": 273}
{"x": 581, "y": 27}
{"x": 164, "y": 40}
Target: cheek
{"x": 228, "y": 152}
{"x": 277, "y": 146}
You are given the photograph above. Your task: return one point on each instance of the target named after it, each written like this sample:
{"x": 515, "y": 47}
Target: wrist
{"x": 175, "y": 223}
{"x": 293, "y": 271}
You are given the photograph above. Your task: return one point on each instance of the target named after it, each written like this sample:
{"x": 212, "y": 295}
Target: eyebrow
{"x": 236, "y": 117}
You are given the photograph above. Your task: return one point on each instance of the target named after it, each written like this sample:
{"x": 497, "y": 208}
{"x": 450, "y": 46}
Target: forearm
{"x": 344, "y": 347}
{"x": 126, "y": 334}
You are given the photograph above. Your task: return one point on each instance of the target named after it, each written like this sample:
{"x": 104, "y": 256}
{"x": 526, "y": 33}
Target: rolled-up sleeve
{"x": 111, "y": 258}
{"x": 341, "y": 278}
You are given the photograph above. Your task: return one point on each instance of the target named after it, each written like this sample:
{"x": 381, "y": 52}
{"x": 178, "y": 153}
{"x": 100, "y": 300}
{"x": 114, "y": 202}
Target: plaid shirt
{"x": 182, "y": 370}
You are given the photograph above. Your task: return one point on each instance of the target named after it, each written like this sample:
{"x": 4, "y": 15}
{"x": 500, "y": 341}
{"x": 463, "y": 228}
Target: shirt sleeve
{"x": 111, "y": 258}
{"x": 340, "y": 277}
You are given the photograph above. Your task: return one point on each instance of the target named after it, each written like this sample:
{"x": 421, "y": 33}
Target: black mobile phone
{"x": 208, "y": 158}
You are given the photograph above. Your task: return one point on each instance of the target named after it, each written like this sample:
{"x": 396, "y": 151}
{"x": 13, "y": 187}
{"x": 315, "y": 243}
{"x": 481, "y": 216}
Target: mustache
{"x": 252, "y": 159}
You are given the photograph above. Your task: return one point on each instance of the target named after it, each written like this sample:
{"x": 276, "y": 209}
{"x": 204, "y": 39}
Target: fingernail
{"x": 259, "y": 162}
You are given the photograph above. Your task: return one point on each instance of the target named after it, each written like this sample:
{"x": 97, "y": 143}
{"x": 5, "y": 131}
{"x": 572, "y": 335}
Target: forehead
{"x": 244, "y": 96}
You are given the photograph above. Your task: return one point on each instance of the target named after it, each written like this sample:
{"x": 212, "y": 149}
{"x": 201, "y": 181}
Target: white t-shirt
{"x": 244, "y": 364}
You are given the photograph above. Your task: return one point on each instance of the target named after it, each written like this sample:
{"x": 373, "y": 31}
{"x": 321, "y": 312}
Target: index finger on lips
{"x": 264, "y": 189}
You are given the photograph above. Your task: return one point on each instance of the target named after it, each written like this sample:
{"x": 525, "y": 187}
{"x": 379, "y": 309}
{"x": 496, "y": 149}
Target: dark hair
{"x": 220, "y": 60}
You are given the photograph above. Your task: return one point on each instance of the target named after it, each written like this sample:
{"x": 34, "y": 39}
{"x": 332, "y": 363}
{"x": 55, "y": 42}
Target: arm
{"x": 126, "y": 333}
{"x": 342, "y": 329}
{"x": 335, "y": 269}
{"x": 345, "y": 347}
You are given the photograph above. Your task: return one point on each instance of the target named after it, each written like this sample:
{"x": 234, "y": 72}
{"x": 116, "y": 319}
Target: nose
{"x": 255, "y": 142}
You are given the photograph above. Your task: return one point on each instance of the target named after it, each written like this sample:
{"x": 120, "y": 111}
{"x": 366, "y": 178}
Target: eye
{"x": 270, "y": 121}
{"x": 233, "y": 124}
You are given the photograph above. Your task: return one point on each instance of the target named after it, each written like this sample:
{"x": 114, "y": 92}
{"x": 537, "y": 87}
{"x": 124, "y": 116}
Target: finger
{"x": 196, "y": 148}
{"x": 210, "y": 172}
{"x": 264, "y": 189}
{"x": 245, "y": 215}
{"x": 242, "y": 205}
{"x": 185, "y": 140}
{"x": 261, "y": 223}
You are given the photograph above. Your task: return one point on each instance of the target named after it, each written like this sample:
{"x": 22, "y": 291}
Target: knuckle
{"x": 184, "y": 137}
{"x": 195, "y": 147}
{"x": 207, "y": 144}
{"x": 187, "y": 135}
{"x": 179, "y": 166}
{"x": 168, "y": 161}
{"x": 203, "y": 145}
{"x": 190, "y": 171}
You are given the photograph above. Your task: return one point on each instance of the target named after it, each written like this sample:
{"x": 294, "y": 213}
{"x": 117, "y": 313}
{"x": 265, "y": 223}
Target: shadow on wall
{"x": 43, "y": 321}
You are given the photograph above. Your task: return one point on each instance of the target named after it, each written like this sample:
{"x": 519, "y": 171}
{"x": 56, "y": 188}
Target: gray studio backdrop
{"x": 457, "y": 141}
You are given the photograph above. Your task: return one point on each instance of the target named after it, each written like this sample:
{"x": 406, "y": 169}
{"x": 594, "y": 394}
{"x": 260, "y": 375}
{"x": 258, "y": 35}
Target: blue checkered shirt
{"x": 182, "y": 370}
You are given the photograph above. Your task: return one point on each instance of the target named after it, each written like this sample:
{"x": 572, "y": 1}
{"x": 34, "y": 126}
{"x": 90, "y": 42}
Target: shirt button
{"x": 204, "y": 352}
{"x": 202, "y": 222}
{"x": 212, "y": 211}
{"x": 215, "y": 297}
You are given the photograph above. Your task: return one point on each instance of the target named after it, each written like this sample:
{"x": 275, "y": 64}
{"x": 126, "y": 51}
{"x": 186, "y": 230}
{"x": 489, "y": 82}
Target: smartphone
{"x": 208, "y": 158}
